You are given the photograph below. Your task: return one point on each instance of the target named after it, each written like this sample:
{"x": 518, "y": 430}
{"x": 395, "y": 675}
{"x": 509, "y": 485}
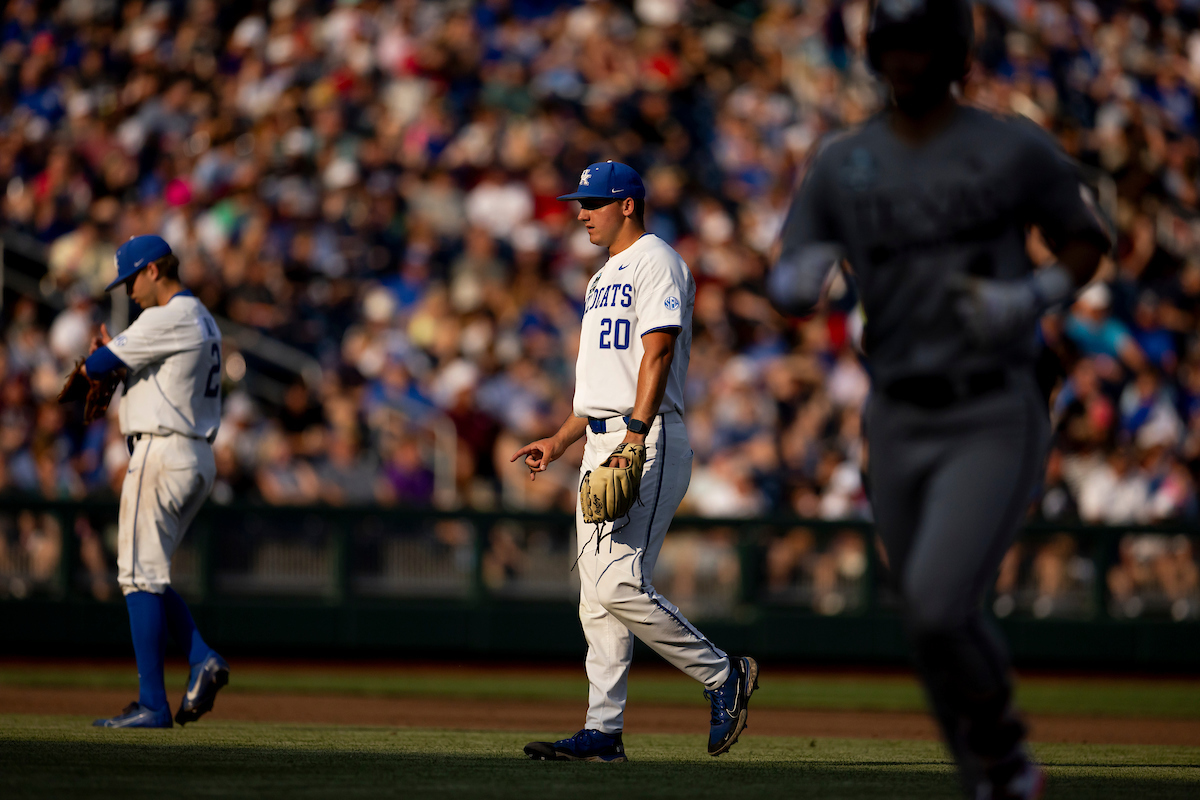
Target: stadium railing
{"x": 269, "y": 364}
{"x": 394, "y": 579}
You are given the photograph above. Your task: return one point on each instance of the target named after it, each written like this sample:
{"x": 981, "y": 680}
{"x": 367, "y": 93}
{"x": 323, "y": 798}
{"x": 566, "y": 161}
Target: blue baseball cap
{"x": 609, "y": 179}
{"x": 135, "y": 255}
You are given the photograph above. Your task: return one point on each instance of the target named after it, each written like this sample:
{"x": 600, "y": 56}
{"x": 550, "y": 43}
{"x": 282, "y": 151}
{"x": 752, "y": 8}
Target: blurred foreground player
{"x": 634, "y": 346}
{"x": 929, "y": 203}
{"x": 169, "y": 413}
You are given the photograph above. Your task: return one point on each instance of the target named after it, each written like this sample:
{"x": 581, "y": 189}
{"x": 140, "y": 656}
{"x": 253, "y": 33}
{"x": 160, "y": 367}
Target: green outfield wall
{"x": 327, "y": 582}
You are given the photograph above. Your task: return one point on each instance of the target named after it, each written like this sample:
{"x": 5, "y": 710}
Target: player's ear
{"x": 628, "y": 206}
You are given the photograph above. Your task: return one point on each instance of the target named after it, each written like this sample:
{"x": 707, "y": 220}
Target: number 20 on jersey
{"x": 614, "y": 334}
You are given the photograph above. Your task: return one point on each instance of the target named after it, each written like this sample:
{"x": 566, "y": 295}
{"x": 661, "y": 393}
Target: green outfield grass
{"x": 42, "y": 757}
{"x": 1178, "y": 699}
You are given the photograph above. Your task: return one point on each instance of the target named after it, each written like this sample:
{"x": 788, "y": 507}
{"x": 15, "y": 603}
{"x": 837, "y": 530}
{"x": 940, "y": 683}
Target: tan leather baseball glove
{"x": 95, "y": 392}
{"x": 608, "y": 492}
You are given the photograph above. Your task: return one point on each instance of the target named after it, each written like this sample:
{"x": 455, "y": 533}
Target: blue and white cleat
{"x": 137, "y": 715}
{"x": 587, "y": 745}
{"x": 206, "y": 679}
{"x": 729, "y": 705}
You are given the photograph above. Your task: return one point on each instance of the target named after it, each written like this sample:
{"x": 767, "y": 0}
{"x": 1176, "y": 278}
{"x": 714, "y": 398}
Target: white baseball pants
{"x": 168, "y": 479}
{"x": 616, "y": 598}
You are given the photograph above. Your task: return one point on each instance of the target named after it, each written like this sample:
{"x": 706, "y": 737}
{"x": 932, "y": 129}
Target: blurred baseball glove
{"x": 608, "y": 492}
{"x": 95, "y": 392}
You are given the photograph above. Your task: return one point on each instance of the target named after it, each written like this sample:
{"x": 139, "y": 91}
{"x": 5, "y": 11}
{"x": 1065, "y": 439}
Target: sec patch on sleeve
{"x": 672, "y": 303}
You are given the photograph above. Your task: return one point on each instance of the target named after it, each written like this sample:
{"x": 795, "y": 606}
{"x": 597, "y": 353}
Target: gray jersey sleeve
{"x": 1060, "y": 204}
{"x": 810, "y": 247}
{"x": 158, "y": 332}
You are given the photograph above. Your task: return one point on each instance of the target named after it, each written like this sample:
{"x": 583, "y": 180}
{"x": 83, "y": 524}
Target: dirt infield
{"x": 477, "y": 714}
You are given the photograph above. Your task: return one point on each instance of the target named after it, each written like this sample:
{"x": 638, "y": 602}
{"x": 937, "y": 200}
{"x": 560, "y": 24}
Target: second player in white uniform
{"x": 635, "y": 342}
{"x": 170, "y": 413}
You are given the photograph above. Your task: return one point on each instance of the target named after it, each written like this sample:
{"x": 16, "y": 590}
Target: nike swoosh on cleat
{"x": 194, "y": 691}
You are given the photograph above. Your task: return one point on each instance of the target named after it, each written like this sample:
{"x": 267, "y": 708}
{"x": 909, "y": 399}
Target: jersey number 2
{"x": 213, "y": 386}
{"x": 614, "y": 335}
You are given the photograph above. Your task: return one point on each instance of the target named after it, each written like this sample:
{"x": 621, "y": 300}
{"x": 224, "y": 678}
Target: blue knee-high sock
{"x": 183, "y": 628}
{"x": 148, "y": 625}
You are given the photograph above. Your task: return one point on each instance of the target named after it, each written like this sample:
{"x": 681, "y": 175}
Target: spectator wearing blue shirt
{"x": 1145, "y": 402}
{"x": 1157, "y": 343}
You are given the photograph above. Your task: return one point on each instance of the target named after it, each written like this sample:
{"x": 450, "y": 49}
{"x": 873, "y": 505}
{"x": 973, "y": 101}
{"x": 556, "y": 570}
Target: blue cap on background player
{"x": 134, "y": 255}
{"x": 610, "y": 179}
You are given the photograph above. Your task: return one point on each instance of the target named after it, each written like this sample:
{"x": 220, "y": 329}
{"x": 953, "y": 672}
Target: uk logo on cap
{"x": 609, "y": 179}
{"x": 135, "y": 254}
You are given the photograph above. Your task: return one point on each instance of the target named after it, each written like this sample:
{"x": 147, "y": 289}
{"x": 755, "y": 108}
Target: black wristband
{"x": 637, "y": 426}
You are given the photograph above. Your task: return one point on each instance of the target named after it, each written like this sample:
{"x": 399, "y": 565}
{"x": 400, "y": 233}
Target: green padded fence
{"x": 322, "y": 581}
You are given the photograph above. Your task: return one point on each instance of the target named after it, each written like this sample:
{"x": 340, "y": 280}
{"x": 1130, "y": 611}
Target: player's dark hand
{"x": 795, "y": 288}
{"x": 994, "y": 312}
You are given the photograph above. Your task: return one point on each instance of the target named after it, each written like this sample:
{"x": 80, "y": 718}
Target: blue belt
{"x": 601, "y": 425}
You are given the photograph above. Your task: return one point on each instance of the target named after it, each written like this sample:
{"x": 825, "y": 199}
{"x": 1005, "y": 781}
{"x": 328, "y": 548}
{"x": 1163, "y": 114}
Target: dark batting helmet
{"x": 945, "y": 28}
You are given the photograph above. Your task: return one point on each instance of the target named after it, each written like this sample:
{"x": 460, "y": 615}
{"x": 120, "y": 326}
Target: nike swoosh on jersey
{"x": 623, "y": 266}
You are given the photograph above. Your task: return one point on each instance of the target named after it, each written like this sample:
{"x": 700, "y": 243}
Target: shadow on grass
{"x": 1123, "y": 765}
{"x": 48, "y": 769}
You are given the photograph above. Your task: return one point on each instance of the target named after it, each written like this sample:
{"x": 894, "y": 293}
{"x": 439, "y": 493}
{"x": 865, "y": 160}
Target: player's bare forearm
{"x": 540, "y": 454}
{"x": 1081, "y": 257}
{"x": 659, "y": 352}
{"x": 571, "y": 431}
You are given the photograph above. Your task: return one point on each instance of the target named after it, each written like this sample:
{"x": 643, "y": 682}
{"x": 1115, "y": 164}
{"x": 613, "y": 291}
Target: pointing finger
{"x": 526, "y": 449}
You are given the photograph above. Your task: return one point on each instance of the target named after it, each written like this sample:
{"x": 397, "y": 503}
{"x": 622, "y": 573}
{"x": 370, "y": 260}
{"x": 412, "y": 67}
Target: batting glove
{"x": 996, "y": 312}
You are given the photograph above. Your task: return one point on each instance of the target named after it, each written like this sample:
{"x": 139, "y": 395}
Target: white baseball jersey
{"x": 644, "y": 288}
{"x": 173, "y": 353}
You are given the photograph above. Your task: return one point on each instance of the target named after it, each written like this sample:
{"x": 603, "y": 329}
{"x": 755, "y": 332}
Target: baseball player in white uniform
{"x": 634, "y": 347}
{"x": 169, "y": 413}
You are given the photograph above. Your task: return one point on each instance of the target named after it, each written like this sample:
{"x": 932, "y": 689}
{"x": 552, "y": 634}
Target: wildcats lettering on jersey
{"x": 646, "y": 288}
{"x": 612, "y": 296}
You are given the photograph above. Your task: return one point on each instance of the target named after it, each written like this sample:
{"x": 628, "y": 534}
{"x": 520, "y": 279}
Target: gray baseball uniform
{"x": 957, "y": 432}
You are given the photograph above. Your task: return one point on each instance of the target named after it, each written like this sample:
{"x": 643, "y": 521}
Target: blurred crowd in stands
{"x": 373, "y": 184}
